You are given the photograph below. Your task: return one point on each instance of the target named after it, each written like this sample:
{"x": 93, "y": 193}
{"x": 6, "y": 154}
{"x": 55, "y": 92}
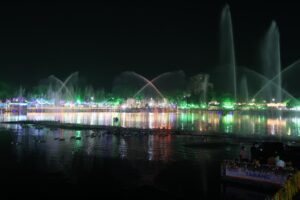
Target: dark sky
{"x": 102, "y": 40}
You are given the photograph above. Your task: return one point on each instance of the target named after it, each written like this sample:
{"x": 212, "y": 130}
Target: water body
{"x": 239, "y": 123}
{"x": 132, "y": 165}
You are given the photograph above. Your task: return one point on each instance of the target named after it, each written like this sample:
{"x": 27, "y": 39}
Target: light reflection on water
{"x": 142, "y": 151}
{"x": 55, "y": 155}
{"x": 243, "y": 124}
{"x": 136, "y": 147}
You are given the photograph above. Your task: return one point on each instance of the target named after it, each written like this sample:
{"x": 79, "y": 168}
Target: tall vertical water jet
{"x": 271, "y": 62}
{"x": 205, "y": 88}
{"x": 227, "y": 53}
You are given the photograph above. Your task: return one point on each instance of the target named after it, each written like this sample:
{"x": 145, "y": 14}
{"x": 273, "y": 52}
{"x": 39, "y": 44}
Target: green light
{"x": 203, "y": 106}
{"x": 261, "y": 107}
{"x": 78, "y": 134}
{"x": 115, "y": 101}
{"x": 293, "y": 103}
{"x": 228, "y": 105}
{"x": 228, "y": 119}
{"x": 184, "y": 117}
{"x": 183, "y": 105}
{"x": 227, "y": 122}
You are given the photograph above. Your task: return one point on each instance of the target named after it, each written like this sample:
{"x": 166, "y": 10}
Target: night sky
{"x": 103, "y": 40}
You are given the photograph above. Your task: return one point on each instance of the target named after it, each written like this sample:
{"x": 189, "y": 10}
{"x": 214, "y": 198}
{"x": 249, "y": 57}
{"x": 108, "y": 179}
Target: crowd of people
{"x": 258, "y": 156}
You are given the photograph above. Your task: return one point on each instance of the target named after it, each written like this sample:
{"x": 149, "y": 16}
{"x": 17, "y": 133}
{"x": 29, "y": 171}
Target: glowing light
{"x": 78, "y": 101}
{"x": 228, "y": 119}
{"x": 228, "y": 105}
{"x": 277, "y": 105}
{"x": 203, "y": 106}
{"x": 124, "y": 106}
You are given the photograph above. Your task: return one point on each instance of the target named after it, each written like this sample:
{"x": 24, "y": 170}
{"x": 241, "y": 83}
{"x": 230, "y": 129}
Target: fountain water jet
{"x": 63, "y": 85}
{"x": 265, "y": 79}
{"x": 148, "y": 83}
{"x": 67, "y": 80}
{"x": 271, "y": 81}
{"x": 227, "y": 52}
{"x": 244, "y": 89}
{"x": 271, "y": 62}
{"x": 152, "y": 81}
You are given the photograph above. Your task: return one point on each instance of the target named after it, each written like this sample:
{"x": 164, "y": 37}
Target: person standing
{"x": 279, "y": 163}
{"x": 243, "y": 154}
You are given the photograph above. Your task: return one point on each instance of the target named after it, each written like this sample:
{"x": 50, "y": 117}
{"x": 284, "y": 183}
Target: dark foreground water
{"x": 38, "y": 163}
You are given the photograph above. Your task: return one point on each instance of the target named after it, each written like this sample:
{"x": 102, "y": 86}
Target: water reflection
{"x": 232, "y": 122}
{"x": 49, "y": 142}
{"x": 150, "y": 154}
